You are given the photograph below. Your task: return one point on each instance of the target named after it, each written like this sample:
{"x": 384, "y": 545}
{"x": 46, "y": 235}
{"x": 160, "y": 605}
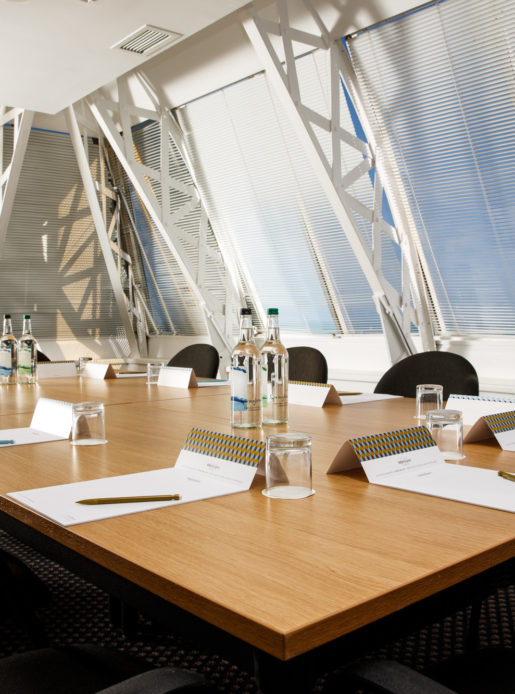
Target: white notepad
{"x": 209, "y": 465}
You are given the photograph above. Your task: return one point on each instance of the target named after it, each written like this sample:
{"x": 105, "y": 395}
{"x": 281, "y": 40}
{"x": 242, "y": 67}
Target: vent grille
{"x": 147, "y": 39}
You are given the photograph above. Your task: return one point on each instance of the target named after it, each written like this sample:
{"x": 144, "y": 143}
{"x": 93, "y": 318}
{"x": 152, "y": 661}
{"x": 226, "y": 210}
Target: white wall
{"x": 356, "y": 362}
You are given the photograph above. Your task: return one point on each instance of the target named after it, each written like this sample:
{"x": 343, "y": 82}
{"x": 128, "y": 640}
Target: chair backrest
{"x": 202, "y": 358}
{"x": 41, "y": 356}
{"x": 455, "y": 373}
{"x": 307, "y": 364}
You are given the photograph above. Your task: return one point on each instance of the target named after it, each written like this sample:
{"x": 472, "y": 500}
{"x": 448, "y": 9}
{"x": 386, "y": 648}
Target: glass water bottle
{"x": 274, "y": 365}
{"x": 27, "y": 354}
{"x": 7, "y": 353}
{"x": 245, "y": 377}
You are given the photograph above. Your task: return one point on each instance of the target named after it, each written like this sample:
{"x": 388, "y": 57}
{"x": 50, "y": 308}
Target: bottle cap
{"x": 273, "y": 311}
{"x": 246, "y": 312}
{"x": 7, "y": 315}
{"x": 26, "y": 316}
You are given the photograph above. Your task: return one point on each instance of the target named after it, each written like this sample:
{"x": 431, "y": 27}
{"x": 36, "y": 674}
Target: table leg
{"x": 276, "y": 676}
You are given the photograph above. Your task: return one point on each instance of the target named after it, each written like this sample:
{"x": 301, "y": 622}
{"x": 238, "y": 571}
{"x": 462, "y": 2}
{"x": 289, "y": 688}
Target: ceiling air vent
{"x": 147, "y": 40}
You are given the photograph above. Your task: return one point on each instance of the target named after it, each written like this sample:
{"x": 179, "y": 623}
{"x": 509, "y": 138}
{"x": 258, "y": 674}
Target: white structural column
{"x": 415, "y": 267}
{"x": 277, "y": 43}
{"x": 21, "y": 122}
{"x": 116, "y": 119}
{"x": 103, "y": 235}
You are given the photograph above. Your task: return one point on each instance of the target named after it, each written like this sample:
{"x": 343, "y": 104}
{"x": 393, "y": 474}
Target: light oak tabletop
{"x": 285, "y": 576}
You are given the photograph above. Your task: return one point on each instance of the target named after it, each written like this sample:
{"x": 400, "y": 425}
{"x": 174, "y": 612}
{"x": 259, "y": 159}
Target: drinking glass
{"x": 88, "y": 423}
{"x": 288, "y": 466}
{"x": 153, "y": 371}
{"x": 446, "y": 427}
{"x": 429, "y": 397}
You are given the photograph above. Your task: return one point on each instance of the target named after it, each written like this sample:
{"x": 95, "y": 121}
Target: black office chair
{"x": 85, "y": 669}
{"x": 487, "y": 671}
{"x": 202, "y": 358}
{"x": 455, "y": 373}
{"x": 307, "y": 364}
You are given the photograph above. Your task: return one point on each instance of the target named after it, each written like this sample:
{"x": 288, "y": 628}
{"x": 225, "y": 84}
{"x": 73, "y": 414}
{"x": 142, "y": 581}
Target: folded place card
{"x": 51, "y": 421}
{"x": 99, "y": 371}
{"x": 312, "y": 394}
{"x": 356, "y": 398}
{"x": 233, "y": 459}
{"x": 409, "y": 459}
{"x": 209, "y": 465}
{"x": 501, "y": 426}
{"x": 177, "y": 377}
{"x": 56, "y": 369}
{"x": 475, "y": 406}
{"x": 380, "y": 453}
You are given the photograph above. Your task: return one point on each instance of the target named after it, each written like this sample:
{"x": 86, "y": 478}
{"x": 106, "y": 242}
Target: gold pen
{"x": 129, "y": 499}
{"x": 507, "y": 475}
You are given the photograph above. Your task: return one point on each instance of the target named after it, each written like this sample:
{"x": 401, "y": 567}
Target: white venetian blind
{"x": 439, "y": 85}
{"x": 262, "y": 193}
{"x": 51, "y": 264}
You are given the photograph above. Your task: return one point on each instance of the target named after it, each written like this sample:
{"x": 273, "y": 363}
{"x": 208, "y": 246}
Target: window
{"x": 440, "y": 91}
{"x": 52, "y": 265}
{"x": 262, "y": 194}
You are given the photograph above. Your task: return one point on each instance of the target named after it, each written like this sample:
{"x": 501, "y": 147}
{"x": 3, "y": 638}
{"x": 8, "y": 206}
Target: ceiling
{"x": 55, "y": 52}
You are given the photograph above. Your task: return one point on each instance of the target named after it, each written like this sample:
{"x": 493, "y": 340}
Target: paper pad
{"x": 209, "y": 465}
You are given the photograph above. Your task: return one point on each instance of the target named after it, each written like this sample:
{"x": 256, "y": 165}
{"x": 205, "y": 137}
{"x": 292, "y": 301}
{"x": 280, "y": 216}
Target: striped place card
{"x": 221, "y": 458}
{"x": 225, "y": 446}
{"x": 392, "y": 447}
{"x": 391, "y": 443}
{"x": 500, "y": 425}
{"x": 475, "y": 406}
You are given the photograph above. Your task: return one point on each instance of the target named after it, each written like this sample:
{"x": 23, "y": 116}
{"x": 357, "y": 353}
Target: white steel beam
{"x": 415, "y": 263}
{"x": 103, "y": 236}
{"x": 398, "y": 311}
{"x": 115, "y": 116}
{"x": 227, "y": 258}
{"x": 21, "y": 123}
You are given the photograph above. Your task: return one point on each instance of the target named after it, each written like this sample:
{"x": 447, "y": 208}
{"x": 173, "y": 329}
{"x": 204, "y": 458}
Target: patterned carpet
{"x": 78, "y": 612}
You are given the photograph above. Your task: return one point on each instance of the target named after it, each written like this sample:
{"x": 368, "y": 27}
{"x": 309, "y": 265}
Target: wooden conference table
{"x": 287, "y": 578}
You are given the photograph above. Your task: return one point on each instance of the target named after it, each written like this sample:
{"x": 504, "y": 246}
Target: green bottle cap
{"x": 26, "y": 316}
{"x": 273, "y": 311}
